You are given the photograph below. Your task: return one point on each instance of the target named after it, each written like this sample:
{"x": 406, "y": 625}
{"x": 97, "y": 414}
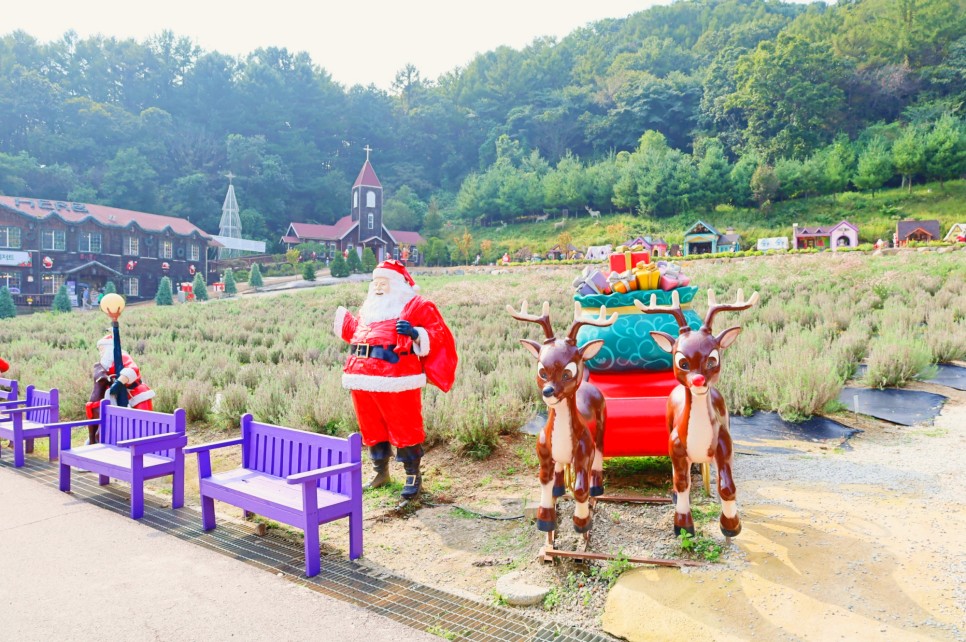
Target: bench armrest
{"x": 237, "y": 441}
{"x": 74, "y": 424}
{"x": 12, "y": 411}
{"x": 5, "y": 404}
{"x": 154, "y": 443}
{"x": 319, "y": 473}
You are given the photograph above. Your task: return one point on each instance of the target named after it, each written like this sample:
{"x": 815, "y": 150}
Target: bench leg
{"x": 30, "y": 445}
{"x": 207, "y": 513}
{"x": 355, "y": 534}
{"x": 18, "y": 447}
{"x": 312, "y": 555}
{"x": 65, "y": 478}
{"x": 177, "y": 481}
{"x": 137, "y": 486}
{"x": 53, "y": 451}
{"x": 103, "y": 480}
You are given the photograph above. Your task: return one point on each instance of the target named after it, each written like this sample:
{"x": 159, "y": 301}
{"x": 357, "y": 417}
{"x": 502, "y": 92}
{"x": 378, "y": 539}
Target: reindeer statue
{"x": 697, "y": 418}
{"x": 593, "y": 213}
{"x": 575, "y": 407}
{"x": 542, "y": 217}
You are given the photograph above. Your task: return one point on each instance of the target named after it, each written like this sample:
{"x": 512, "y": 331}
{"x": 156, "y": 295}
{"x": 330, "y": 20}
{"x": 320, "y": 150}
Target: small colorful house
{"x": 920, "y": 231}
{"x": 654, "y": 246}
{"x": 701, "y": 238}
{"x": 843, "y": 234}
{"x": 599, "y": 252}
{"x": 957, "y": 233}
{"x": 560, "y": 253}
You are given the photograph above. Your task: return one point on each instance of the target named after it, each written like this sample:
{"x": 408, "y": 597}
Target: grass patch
{"x": 700, "y": 546}
{"x": 384, "y": 496}
{"x": 630, "y": 466}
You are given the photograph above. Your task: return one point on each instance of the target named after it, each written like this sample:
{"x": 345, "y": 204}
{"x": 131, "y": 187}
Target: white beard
{"x": 385, "y": 306}
{"x": 107, "y": 358}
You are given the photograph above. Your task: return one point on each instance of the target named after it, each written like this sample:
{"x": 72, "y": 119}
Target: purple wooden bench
{"x": 22, "y": 425}
{"x": 295, "y": 477}
{"x": 9, "y": 389}
{"x": 135, "y": 445}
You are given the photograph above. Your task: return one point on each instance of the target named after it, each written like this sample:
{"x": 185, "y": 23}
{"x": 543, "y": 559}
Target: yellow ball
{"x": 112, "y": 304}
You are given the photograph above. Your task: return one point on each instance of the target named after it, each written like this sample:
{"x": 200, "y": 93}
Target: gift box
{"x": 672, "y": 281}
{"x": 622, "y": 283}
{"x": 626, "y": 258}
{"x": 592, "y": 282}
{"x": 648, "y": 276}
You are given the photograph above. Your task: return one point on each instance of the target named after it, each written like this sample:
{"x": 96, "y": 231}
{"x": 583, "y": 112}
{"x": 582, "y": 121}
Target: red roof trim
{"x": 367, "y": 177}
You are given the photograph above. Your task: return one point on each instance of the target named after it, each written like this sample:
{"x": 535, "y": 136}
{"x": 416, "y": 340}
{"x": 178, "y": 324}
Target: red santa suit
{"x": 386, "y": 371}
{"x": 139, "y": 394}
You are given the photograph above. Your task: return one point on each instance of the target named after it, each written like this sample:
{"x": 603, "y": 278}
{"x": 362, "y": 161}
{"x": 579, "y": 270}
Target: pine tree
{"x": 354, "y": 262}
{"x": 255, "y": 276}
{"x": 7, "y": 308}
{"x": 368, "y": 260}
{"x": 875, "y": 166}
{"x": 164, "y": 294}
{"x": 339, "y": 268}
{"x": 110, "y": 288}
{"x": 231, "y": 288}
{"x": 199, "y": 287}
{"x": 62, "y": 301}
{"x": 308, "y": 271}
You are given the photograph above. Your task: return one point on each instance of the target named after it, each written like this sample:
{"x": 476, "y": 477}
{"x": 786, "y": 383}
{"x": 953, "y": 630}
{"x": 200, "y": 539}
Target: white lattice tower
{"x": 230, "y": 224}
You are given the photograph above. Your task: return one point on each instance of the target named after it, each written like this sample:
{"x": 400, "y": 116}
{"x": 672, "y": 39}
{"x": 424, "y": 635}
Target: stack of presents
{"x": 630, "y": 270}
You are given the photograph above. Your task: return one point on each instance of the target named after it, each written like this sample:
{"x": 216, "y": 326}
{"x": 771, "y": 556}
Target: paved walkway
{"x": 74, "y": 571}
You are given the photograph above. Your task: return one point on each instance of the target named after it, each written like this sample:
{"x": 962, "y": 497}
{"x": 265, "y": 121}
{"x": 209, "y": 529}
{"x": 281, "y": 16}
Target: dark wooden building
{"x": 361, "y": 228}
{"x": 45, "y": 244}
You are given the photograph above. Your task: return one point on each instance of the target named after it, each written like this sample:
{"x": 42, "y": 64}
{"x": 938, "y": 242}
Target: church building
{"x": 362, "y": 228}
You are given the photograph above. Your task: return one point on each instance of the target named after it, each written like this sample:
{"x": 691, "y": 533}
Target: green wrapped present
{"x": 628, "y": 344}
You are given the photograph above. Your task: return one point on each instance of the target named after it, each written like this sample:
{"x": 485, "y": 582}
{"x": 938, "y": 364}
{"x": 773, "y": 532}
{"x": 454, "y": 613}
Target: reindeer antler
{"x": 674, "y": 309}
{"x": 740, "y": 304}
{"x": 543, "y": 320}
{"x": 602, "y": 320}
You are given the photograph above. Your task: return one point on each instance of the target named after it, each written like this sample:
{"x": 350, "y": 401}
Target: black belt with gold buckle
{"x": 368, "y": 351}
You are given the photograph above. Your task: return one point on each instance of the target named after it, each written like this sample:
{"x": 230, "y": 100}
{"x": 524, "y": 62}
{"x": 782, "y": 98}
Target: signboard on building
{"x": 15, "y": 258}
{"x": 775, "y": 243}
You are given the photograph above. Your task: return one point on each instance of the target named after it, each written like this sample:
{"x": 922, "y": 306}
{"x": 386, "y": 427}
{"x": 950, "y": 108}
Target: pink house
{"x": 844, "y": 234}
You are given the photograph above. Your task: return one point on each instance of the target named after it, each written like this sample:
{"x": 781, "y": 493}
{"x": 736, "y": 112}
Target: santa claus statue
{"x": 108, "y": 385}
{"x": 398, "y": 342}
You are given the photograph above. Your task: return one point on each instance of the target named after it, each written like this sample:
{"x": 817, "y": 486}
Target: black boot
{"x": 410, "y": 457}
{"x": 380, "y": 455}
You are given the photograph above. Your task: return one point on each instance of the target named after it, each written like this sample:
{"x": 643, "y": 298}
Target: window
{"x": 9, "y": 237}
{"x": 395, "y": 252}
{"x": 131, "y": 286}
{"x": 194, "y": 253}
{"x": 10, "y": 279}
{"x": 53, "y": 240}
{"x": 372, "y": 220}
{"x": 370, "y": 199}
{"x": 52, "y": 283}
{"x": 166, "y": 250}
{"x": 131, "y": 246}
{"x": 355, "y": 198}
{"x": 89, "y": 242}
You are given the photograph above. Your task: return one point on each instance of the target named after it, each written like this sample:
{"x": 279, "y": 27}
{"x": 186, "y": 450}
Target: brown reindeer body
{"x": 574, "y": 407}
{"x": 697, "y": 417}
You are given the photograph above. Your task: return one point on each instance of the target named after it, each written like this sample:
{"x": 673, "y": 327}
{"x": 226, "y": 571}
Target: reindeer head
{"x": 560, "y": 363}
{"x": 696, "y": 354}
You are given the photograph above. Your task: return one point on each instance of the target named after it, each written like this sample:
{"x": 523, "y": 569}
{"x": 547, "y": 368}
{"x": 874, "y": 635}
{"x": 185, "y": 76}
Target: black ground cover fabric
{"x": 904, "y": 407}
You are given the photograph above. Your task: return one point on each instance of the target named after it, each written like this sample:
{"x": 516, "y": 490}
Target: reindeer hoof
{"x": 559, "y": 491}
{"x": 546, "y": 526}
{"x": 727, "y": 532}
{"x": 583, "y": 526}
{"x": 596, "y": 491}
{"x": 680, "y": 529}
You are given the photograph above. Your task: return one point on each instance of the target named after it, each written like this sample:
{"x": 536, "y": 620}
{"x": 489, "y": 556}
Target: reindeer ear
{"x": 664, "y": 341}
{"x": 532, "y": 346}
{"x": 590, "y": 349}
{"x": 728, "y": 337}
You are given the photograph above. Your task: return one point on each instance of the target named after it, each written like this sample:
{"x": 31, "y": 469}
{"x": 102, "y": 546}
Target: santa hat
{"x": 396, "y": 273}
{"x": 106, "y": 342}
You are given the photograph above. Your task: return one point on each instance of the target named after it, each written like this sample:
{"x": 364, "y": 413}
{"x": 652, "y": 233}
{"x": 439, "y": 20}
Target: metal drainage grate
{"x": 411, "y": 603}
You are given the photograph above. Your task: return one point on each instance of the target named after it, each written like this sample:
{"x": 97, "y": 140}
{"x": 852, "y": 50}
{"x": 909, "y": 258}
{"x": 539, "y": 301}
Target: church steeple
{"x": 367, "y": 201}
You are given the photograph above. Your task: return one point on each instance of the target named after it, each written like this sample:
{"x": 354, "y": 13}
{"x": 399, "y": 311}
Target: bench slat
{"x": 268, "y": 489}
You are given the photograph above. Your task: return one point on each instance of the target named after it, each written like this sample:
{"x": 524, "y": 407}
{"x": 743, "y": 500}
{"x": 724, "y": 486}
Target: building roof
{"x": 409, "y": 238}
{"x": 316, "y": 232}
{"x": 710, "y": 229}
{"x": 730, "y": 239}
{"x": 905, "y": 228}
{"x": 367, "y": 177}
{"x": 803, "y": 232}
{"x": 69, "y": 212}
{"x": 955, "y": 230}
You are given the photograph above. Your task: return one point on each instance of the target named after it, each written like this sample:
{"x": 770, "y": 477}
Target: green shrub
{"x": 255, "y": 276}
{"x": 62, "y": 301}
{"x": 196, "y": 398}
{"x": 199, "y": 287}
{"x": 7, "y": 307}
{"x": 164, "y": 294}
{"x": 308, "y": 271}
{"x": 339, "y": 268}
{"x": 232, "y": 405}
{"x": 896, "y": 357}
{"x": 231, "y": 288}
{"x": 110, "y": 288}
{"x": 368, "y": 260}
{"x": 354, "y": 262}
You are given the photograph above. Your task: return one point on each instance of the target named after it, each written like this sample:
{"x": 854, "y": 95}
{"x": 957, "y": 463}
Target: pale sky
{"x": 360, "y": 42}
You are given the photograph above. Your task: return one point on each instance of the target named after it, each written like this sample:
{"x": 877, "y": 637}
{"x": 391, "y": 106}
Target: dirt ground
{"x": 862, "y": 540}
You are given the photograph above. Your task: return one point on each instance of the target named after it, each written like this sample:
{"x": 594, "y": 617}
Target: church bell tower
{"x": 367, "y": 202}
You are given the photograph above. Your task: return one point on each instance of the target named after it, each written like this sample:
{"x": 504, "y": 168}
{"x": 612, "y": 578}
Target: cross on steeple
{"x": 368, "y": 149}
{"x": 229, "y": 176}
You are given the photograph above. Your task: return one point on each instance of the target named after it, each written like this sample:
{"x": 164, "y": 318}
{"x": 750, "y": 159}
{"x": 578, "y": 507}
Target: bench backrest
{"x": 281, "y": 451}
{"x": 36, "y": 397}
{"x": 8, "y": 389}
{"x": 119, "y": 424}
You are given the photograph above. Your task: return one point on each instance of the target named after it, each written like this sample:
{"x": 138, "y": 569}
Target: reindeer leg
{"x": 682, "y": 494}
{"x": 730, "y": 522}
{"x": 597, "y": 469}
{"x": 547, "y": 511}
{"x": 582, "y": 516}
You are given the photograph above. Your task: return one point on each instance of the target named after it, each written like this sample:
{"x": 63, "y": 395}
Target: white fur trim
{"x": 340, "y": 313}
{"x": 371, "y": 383}
{"x": 129, "y": 374}
{"x": 421, "y": 349}
{"x": 144, "y": 396}
{"x": 392, "y": 275}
